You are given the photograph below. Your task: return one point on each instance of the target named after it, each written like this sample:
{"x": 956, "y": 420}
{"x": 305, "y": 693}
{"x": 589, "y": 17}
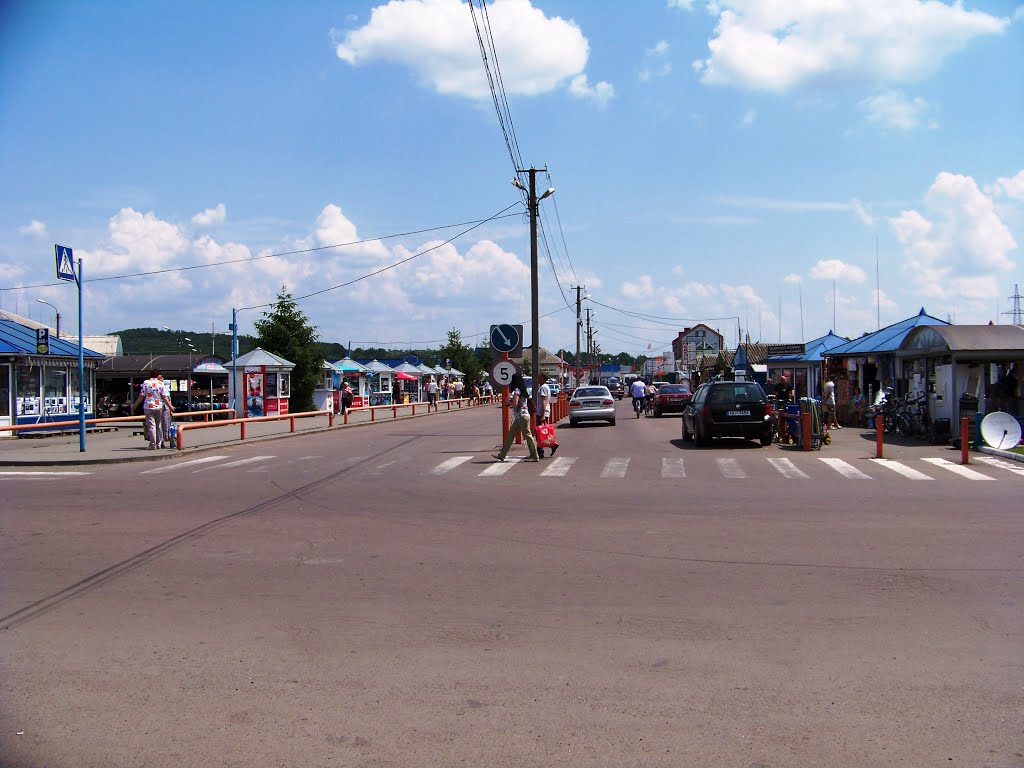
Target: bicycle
{"x": 638, "y": 406}
{"x": 649, "y": 405}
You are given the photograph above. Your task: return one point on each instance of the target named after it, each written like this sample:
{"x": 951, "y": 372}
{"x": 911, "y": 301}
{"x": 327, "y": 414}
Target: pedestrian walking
{"x": 519, "y": 403}
{"x": 828, "y": 402}
{"x": 431, "y": 389}
{"x": 154, "y": 402}
{"x": 346, "y": 398}
{"x": 166, "y": 416}
{"x": 544, "y": 410}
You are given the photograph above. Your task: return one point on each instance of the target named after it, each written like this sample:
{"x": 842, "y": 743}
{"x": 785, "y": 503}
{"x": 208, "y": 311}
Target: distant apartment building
{"x": 695, "y": 343}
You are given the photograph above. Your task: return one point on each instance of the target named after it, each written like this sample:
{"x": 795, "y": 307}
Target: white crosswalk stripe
{"x": 449, "y": 465}
{"x": 615, "y": 468}
{"x": 845, "y": 469}
{"x": 788, "y": 469}
{"x": 958, "y": 469}
{"x": 673, "y": 468}
{"x": 1010, "y": 466}
{"x": 559, "y": 467}
{"x": 500, "y": 467}
{"x": 238, "y": 463}
{"x": 182, "y": 465}
{"x": 908, "y": 472}
{"x": 730, "y": 468}
{"x": 40, "y": 475}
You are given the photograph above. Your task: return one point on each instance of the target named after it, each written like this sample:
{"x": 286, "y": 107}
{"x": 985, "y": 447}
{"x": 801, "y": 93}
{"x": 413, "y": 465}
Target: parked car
{"x": 672, "y": 398}
{"x": 728, "y": 409}
{"x": 592, "y": 403}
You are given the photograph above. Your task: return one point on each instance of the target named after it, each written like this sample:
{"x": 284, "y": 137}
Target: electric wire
{"x": 390, "y": 266}
{"x": 267, "y": 255}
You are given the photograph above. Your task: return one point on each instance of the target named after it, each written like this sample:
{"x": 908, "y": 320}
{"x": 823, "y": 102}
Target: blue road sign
{"x": 65, "y": 262}
{"x": 506, "y": 338}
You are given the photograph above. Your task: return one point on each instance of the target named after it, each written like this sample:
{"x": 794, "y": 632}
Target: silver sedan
{"x": 591, "y": 404}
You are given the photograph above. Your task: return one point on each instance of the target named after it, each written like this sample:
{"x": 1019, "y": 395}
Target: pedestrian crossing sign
{"x": 65, "y": 263}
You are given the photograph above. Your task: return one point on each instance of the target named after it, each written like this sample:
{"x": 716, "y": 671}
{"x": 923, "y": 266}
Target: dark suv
{"x": 615, "y": 387}
{"x": 728, "y": 409}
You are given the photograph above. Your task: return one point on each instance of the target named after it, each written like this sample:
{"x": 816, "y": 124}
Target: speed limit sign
{"x": 502, "y": 372}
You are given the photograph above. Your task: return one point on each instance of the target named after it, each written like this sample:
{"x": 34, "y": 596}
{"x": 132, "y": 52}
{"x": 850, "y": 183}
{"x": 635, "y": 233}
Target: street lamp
{"x": 55, "y": 310}
{"x": 534, "y": 203}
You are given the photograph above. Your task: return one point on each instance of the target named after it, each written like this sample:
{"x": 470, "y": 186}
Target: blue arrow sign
{"x": 65, "y": 262}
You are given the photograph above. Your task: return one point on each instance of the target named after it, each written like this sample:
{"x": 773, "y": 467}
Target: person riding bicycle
{"x": 638, "y": 391}
{"x": 651, "y": 396}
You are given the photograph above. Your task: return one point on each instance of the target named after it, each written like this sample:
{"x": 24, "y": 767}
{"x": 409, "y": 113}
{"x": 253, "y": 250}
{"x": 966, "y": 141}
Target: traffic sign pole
{"x": 504, "y": 407}
{"x": 81, "y": 366}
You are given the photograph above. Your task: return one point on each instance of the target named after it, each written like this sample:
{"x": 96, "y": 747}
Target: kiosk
{"x": 260, "y": 383}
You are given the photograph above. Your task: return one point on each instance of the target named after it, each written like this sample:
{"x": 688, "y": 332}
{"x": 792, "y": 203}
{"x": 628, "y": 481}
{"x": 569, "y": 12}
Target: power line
{"x": 273, "y": 255}
{"x": 390, "y": 266}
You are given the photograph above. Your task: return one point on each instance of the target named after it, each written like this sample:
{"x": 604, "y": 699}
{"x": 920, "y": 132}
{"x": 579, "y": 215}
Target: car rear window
{"x": 591, "y": 392}
{"x": 738, "y": 392}
{"x": 673, "y": 389}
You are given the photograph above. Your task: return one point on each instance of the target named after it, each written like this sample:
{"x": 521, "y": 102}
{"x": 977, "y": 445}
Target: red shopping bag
{"x": 546, "y": 435}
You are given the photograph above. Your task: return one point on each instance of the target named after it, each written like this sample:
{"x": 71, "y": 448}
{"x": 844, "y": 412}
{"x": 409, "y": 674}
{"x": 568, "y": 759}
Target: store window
{"x": 286, "y": 384}
{"x": 5, "y": 391}
{"x": 74, "y": 390}
{"x": 27, "y": 390}
{"x": 55, "y": 390}
{"x": 271, "y": 385}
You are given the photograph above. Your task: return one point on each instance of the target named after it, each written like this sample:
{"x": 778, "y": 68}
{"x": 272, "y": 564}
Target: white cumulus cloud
{"x": 776, "y": 46}
{"x": 211, "y": 217}
{"x": 836, "y": 269}
{"x": 34, "y": 228}
{"x": 436, "y": 39}
{"x": 1012, "y": 187}
{"x": 961, "y": 247}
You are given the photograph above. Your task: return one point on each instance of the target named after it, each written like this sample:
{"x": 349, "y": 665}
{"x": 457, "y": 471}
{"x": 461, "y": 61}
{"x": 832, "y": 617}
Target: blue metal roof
{"x": 19, "y": 339}
{"x": 887, "y": 339}
{"x": 814, "y": 350}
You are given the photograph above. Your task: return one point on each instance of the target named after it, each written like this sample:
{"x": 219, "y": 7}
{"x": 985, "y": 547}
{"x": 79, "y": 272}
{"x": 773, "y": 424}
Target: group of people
{"x": 523, "y": 407}
{"x": 155, "y": 396}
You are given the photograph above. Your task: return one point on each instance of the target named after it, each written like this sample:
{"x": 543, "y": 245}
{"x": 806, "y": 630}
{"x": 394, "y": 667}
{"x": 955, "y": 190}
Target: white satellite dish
{"x": 1000, "y": 430}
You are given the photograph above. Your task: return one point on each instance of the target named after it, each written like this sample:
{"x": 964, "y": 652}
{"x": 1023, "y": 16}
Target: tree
{"x": 286, "y": 331}
{"x": 462, "y": 357}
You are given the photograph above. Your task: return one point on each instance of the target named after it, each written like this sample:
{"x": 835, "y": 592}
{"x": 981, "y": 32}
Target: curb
{"x": 1004, "y": 454}
{"x": 150, "y": 456}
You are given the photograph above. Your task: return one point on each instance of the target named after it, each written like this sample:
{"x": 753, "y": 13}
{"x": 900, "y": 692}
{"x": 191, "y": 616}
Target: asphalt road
{"x": 373, "y": 597}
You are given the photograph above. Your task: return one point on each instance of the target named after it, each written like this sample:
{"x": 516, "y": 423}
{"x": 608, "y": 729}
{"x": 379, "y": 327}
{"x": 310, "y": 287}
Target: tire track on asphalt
{"x": 50, "y": 602}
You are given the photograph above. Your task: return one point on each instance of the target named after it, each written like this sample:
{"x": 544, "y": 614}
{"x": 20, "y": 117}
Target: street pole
{"x": 534, "y": 204}
{"x": 579, "y": 324}
{"x": 534, "y": 282}
{"x": 81, "y": 367}
{"x": 234, "y": 357}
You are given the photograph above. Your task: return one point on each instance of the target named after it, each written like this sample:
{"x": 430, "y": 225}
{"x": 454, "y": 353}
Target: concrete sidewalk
{"x": 118, "y": 444}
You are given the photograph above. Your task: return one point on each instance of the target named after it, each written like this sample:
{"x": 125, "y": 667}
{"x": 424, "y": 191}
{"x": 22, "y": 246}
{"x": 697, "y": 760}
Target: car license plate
{"x": 591, "y": 405}
{"x": 737, "y": 413}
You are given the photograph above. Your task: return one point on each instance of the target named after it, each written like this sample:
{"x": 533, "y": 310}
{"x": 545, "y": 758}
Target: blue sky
{"x": 724, "y": 162}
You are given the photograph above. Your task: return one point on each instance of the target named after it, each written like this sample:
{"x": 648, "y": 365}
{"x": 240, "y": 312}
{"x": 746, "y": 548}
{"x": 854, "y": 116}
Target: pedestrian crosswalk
{"x": 984, "y": 468}
{"x": 707, "y": 467}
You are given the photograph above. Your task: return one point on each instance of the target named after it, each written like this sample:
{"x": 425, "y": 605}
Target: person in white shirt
{"x": 638, "y": 391}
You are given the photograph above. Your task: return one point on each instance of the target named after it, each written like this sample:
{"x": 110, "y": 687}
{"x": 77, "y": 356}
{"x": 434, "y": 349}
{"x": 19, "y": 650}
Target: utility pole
{"x": 534, "y": 204}
{"x": 579, "y": 325}
{"x": 590, "y": 340}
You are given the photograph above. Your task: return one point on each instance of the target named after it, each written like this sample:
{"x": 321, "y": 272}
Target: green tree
{"x": 285, "y": 331}
{"x": 462, "y": 356}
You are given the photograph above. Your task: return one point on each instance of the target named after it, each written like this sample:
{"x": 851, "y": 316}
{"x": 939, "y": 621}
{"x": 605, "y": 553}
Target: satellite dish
{"x": 1000, "y": 430}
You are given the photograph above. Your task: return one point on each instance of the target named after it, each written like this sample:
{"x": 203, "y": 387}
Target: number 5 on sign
{"x": 502, "y": 372}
